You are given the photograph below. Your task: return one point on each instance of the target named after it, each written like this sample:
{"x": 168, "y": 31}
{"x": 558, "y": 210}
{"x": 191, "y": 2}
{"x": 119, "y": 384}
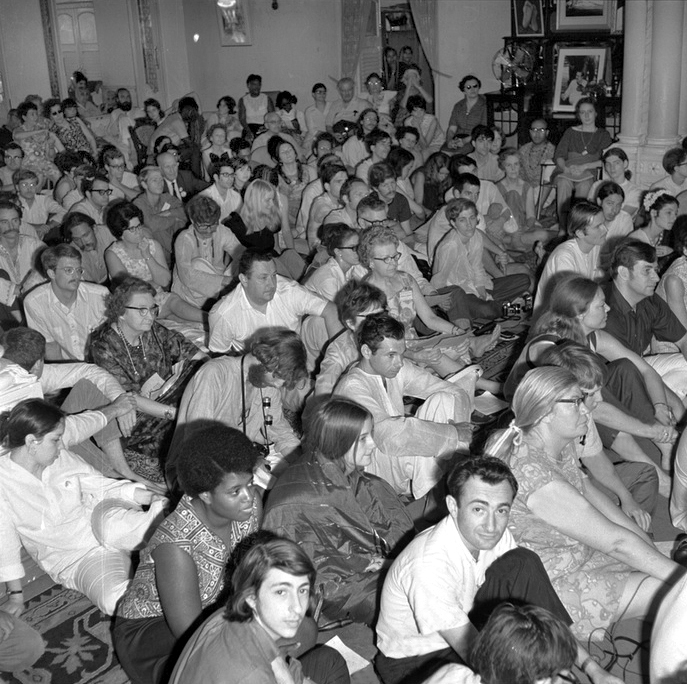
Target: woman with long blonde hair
{"x": 258, "y": 226}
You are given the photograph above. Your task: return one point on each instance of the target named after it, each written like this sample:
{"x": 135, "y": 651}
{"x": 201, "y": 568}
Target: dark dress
{"x": 261, "y": 241}
{"x": 159, "y": 351}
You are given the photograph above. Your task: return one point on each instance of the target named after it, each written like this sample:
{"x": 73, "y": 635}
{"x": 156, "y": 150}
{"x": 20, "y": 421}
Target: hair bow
{"x": 223, "y": 158}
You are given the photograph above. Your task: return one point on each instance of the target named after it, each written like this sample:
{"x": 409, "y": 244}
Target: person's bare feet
{"x": 480, "y": 345}
{"x": 664, "y": 483}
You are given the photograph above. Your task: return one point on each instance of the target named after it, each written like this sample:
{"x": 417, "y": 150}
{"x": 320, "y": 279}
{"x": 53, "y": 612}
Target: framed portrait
{"x": 528, "y": 18}
{"x": 585, "y": 15}
{"x": 578, "y": 70}
{"x": 234, "y": 22}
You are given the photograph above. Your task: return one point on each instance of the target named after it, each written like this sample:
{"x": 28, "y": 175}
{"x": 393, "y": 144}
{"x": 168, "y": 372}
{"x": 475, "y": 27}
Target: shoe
{"x": 680, "y": 552}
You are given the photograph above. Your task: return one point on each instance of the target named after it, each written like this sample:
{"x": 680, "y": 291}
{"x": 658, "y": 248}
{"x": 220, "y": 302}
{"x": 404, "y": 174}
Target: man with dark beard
{"x": 243, "y": 392}
{"x": 121, "y": 117}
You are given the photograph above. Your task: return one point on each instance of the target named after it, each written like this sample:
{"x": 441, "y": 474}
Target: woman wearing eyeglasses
{"x": 72, "y": 133}
{"x": 149, "y": 360}
{"x": 378, "y": 252}
{"x": 602, "y": 565}
{"x": 466, "y": 114}
{"x": 136, "y": 254}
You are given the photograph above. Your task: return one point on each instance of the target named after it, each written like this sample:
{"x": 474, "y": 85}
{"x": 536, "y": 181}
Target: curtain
{"x": 425, "y": 18}
{"x": 354, "y": 15}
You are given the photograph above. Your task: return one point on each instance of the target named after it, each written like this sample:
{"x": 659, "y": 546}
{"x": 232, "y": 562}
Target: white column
{"x": 636, "y": 62}
{"x": 666, "y": 71}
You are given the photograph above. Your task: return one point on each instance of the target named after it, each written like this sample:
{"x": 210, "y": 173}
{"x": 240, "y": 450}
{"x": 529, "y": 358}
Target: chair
{"x": 546, "y": 169}
{"x": 140, "y": 136}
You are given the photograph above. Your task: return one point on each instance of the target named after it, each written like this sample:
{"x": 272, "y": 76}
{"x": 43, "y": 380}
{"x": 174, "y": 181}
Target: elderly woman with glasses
{"x": 602, "y": 565}
{"x": 149, "y": 360}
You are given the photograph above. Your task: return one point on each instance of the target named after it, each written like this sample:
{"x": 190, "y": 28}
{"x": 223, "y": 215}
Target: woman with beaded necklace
{"x": 149, "y": 360}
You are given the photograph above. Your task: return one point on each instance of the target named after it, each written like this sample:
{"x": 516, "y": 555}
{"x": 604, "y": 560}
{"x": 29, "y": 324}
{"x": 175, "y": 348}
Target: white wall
{"x": 469, "y": 34}
{"x": 292, "y": 48}
{"x": 23, "y": 49}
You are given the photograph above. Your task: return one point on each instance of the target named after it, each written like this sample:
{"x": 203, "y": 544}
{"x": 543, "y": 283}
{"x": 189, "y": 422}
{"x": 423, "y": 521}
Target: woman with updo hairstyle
{"x": 601, "y": 564}
{"x": 79, "y": 526}
{"x": 182, "y": 570}
{"x": 258, "y": 224}
{"x": 337, "y": 512}
{"x": 216, "y": 148}
{"x": 658, "y": 213}
{"x": 628, "y": 422}
{"x": 273, "y": 593}
{"x": 431, "y": 181}
{"x": 354, "y": 149}
{"x": 341, "y": 242}
{"x": 616, "y": 168}
{"x": 225, "y": 115}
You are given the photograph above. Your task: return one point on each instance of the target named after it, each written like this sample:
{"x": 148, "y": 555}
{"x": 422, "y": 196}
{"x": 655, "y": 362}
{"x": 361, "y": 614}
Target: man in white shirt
{"x": 442, "y": 587}
{"x": 348, "y": 108}
{"x": 65, "y": 310}
{"x": 123, "y": 116}
{"x": 413, "y": 451}
{"x": 222, "y": 190}
{"x": 578, "y": 255}
{"x": 41, "y": 212}
{"x": 264, "y": 299}
{"x": 123, "y": 183}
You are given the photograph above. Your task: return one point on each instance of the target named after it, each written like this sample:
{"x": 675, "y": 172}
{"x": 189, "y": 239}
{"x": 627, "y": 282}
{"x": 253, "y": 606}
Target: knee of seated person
{"x": 522, "y": 560}
{"x": 31, "y": 648}
{"x": 34, "y": 648}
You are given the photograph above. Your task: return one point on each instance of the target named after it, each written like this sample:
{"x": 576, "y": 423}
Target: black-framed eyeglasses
{"x": 56, "y": 112}
{"x": 206, "y": 226}
{"x": 577, "y": 401}
{"x": 353, "y": 248}
{"x": 143, "y": 311}
{"x": 389, "y": 259}
{"x": 104, "y": 193}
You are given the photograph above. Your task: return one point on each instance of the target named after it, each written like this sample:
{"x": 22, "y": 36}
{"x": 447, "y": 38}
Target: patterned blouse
{"x": 210, "y": 554}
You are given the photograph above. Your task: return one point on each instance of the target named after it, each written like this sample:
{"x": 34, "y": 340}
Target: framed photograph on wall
{"x": 234, "y": 22}
{"x": 585, "y": 15}
{"x": 578, "y": 70}
{"x": 528, "y": 18}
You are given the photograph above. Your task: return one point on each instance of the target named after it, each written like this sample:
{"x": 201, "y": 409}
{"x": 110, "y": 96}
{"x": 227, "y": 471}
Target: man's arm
{"x": 58, "y": 376}
{"x": 331, "y": 320}
{"x": 460, "y": 639}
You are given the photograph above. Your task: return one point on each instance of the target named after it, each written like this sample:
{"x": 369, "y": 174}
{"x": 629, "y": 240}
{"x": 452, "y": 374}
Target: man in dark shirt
{"x": 637, "y": 314}
{"x": 383, "y": 183}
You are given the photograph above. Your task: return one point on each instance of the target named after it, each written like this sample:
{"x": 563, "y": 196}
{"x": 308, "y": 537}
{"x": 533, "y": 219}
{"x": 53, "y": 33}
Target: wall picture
{"x": 585, "y": 15}
{"x": 528, "y": 17}
{"x": 234, "y": 22}
{"x": 578, "y": 70}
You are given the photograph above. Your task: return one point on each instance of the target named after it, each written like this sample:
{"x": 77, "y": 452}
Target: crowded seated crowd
{"x": 239, "y": 372}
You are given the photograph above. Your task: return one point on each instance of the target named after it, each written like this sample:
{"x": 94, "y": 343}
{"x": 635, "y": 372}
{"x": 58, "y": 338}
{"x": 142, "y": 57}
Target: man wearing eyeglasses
{"x": 65, "y": 310}
{"x": 98, "y": 192}
{"x": 222, "y": 190}
{"x": 123, "y": 183}
{"x": 14, "y": 157}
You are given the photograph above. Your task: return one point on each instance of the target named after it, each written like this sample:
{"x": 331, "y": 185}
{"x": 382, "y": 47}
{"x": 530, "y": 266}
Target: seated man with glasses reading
{"x": 66, "y": 309}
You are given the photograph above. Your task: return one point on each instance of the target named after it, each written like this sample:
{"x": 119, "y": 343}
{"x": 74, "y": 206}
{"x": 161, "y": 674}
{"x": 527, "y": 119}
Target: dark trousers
{"x": 518, "y": 577}
{"x": 324, "y": 665}
{"x": 507, "y": 288}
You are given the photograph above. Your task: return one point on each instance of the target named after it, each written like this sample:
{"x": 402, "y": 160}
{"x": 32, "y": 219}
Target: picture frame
{"x": 578, "y": 70}
{"x": 528, "y": 18}
{"x": 234, "y": 23}
{"x": 585, "y": 15}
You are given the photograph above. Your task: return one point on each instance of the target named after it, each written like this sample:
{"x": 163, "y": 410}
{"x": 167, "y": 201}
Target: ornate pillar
{"x": 636, "y": 65}
{"x": 666, "y": 72}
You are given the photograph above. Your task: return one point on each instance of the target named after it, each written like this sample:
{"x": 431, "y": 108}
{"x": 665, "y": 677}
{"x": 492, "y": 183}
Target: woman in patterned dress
{"x": 602, "y": 565}
{"x": 183, "y": 568}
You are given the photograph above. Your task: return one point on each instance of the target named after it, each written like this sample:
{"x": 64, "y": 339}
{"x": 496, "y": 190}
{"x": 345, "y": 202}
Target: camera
{"x": 509, "y": 309}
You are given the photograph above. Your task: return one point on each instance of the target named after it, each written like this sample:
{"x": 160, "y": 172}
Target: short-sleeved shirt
{"x": 635, "y": 327}
{"x": 70, "y": 327}
{"x": 234, "y": 319}
{"x": 431, "y": 587}
{"x": 399, "y": 209}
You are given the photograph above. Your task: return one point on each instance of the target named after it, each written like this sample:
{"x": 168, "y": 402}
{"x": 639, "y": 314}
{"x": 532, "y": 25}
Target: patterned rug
{"x": 79, "y": 643}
